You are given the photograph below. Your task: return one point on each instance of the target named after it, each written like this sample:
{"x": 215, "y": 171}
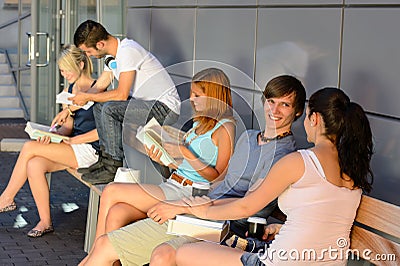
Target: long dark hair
{"x": 347, "y": 126}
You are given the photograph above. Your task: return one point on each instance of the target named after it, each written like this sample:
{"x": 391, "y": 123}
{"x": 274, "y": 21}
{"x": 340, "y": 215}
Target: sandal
{"x": 9, "y": 208}
{"x": 38, "y": 233}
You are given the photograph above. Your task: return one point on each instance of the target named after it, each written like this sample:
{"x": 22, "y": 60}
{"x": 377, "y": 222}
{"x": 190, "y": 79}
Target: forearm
{"x": 112, "y": 95}
{"x": 206, "y": 171}
{"x": 87, "y": 137}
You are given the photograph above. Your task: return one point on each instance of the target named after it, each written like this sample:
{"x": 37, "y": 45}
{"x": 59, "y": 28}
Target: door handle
{"x": 31, "y": 49}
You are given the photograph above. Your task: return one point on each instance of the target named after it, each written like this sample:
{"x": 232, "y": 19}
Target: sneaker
{"x": 100, "y": 176}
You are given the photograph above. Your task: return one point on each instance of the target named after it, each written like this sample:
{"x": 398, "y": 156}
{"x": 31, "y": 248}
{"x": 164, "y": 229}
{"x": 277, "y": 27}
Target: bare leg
{"x": 36, "y": 170}
{"x": 131, "y": 202}
{"x": 163, "y": 255}
{"x": 103, "y": 253}
{"x": 207, "y": 254}
{"x": 139, "y": 197}
{"x": 57, "y": 152}
{"x": 122, "y": 214}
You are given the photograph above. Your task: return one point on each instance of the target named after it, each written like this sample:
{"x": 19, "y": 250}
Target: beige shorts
{"x": 134, "y": 243}
{"x": 175, "y": 191}
{"x": 85, "y": 154}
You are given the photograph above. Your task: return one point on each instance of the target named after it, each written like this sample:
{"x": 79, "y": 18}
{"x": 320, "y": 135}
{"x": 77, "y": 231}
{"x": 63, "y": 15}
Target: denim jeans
{"x": 111, "y": 116}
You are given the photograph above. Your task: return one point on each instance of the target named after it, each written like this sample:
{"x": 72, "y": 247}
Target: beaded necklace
{"x": 187, "y": 134}
{"x": 280, "y": 136}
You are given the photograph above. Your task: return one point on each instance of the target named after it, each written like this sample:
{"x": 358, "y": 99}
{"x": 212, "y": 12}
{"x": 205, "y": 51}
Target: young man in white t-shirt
{"x": 143, "y": 83}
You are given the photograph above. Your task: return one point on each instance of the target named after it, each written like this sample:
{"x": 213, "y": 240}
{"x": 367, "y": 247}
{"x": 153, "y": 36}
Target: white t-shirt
{"x": 152, "y": 81}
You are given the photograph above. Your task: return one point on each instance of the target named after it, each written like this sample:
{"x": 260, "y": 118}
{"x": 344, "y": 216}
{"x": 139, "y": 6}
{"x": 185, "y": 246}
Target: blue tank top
{"x": 203, "y": 147}
{"x": 84, "y": 122}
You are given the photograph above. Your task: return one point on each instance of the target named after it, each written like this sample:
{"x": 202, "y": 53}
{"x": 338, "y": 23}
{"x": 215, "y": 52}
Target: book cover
{"x": 207, "y": 230}
{"x": 153, "y": 134}
{"x": 36, "y": 130}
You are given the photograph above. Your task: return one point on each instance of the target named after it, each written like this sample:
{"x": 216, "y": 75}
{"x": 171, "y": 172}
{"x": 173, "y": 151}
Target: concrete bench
{"x": 93, "y": 208}
{"x": 375, "y": 236}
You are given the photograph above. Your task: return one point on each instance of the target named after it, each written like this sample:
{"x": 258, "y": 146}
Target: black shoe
{"x": 92, "y": 168}
{"x": 100, "y": 176}
{"x": 96, "y": 165}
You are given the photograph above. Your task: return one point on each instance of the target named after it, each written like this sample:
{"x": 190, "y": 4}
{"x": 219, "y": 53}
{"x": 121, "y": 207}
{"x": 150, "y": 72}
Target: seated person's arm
{"x": 163, "y": 211}
{"x": 121, "y": 93}
{"x": 83, "y": 138}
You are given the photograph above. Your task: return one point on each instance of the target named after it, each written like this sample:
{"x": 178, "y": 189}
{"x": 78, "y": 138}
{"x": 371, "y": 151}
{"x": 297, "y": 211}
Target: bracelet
{"x": 69, "y": 111}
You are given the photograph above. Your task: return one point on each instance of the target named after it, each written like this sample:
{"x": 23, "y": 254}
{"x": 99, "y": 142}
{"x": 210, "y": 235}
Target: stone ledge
{"x": 9, "y": 144}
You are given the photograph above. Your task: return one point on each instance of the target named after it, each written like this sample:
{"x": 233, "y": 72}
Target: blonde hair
{"x": 71, "y": 58}
{"x": 216, "y": 85}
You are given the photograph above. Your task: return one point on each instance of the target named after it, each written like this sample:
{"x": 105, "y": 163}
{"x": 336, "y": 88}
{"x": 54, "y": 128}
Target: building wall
{"x": 347, "y": 43}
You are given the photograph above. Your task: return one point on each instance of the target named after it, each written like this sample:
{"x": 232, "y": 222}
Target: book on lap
{"x": 207, "y": 230}
{"x": 36, "y": 131}
{"x": 155, "y": 134}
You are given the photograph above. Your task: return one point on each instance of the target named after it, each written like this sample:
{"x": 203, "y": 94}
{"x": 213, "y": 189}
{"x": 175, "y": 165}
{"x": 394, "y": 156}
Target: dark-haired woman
{"x": 319, "y": 190}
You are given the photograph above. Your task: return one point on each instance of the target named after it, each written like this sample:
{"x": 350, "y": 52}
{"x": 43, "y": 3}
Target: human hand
{"x": 154, "y": 153}
{"x": 80, "y": 98}
{"x": 60, "y": 118}
{"x": 163, "y": 211}
{"x": 44, "y": 140}
{"x": 270, "y": 231}
{"x": 198, "y": 206}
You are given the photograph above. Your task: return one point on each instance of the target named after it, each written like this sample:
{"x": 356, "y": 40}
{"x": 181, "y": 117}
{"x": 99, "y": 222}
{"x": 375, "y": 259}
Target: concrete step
{"x": 6, "y": 79}
{"x": 4, "y": 69}
{"x": 2, "y": 58}
{"x": 11, "y": 113}
{"x": 9, "y": 102}
{"x": 8, "y": 90}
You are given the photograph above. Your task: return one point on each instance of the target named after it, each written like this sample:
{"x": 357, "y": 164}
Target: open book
{"x": 189, "y": 225}
{"x": 36, "y": 130}
{"x": 63, "y": 98}
{"x": 155, "y": 134}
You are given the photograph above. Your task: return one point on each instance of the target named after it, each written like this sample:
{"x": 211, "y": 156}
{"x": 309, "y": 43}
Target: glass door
{"x": 43, "y": 47}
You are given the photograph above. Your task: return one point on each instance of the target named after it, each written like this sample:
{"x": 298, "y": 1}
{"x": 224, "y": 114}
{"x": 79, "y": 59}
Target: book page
{"x": 63, "y": 98}
{"x": 198, "y": 221}
{"x": 36, "y": 131}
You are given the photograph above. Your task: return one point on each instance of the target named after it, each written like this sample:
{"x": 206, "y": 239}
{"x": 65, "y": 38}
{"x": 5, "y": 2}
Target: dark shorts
{"x": 251, "y": 259}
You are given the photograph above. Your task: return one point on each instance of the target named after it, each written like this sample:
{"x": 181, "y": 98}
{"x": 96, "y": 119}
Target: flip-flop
{"x": 9, "y": 208}
{"x": 38, "y": 233}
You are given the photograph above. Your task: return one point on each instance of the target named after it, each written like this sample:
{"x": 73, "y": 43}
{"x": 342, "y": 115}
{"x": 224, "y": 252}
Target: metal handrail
{"x": 12, "y": 21}
{"x": 21, "y": 98}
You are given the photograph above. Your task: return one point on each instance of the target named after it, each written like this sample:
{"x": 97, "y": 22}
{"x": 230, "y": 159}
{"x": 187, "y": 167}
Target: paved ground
{"x": 69, "y": 200}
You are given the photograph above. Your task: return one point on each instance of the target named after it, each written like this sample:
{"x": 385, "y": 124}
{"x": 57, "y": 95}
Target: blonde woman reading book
{"x": 41, "y": 156}
{"x": 319, "y": 190}
{"x": 207, "y": 148}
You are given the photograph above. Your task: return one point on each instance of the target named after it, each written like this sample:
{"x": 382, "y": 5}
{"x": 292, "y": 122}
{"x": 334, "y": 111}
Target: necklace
{"x": 187, "y": 135}
{"x": 280, "y": 136}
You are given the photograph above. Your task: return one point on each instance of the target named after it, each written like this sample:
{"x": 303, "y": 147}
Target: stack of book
{"x": 189, "y": 225}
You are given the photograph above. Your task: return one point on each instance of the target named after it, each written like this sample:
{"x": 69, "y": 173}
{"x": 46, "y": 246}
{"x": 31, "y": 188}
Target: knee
{"x": 163, "y": 255}
{"x": 34, "y": 165}
{"x": 101, "y": 241}
{"x": 109, "y": 191}
{"x": 116, "y": 218}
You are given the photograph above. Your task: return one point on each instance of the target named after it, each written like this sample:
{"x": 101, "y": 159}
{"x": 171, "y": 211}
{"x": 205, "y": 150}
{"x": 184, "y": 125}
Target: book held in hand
{"x": 155, "y": 134}
{"x": 63, "y": 98}
{"x": 36, "y": 131}
{"x": 207, "y": 230}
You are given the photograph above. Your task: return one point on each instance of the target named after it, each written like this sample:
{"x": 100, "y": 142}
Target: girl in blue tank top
{"x": 205, "y": 153}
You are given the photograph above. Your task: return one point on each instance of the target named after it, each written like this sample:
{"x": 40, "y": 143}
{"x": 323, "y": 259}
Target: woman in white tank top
{"x": 319, "y": 190}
